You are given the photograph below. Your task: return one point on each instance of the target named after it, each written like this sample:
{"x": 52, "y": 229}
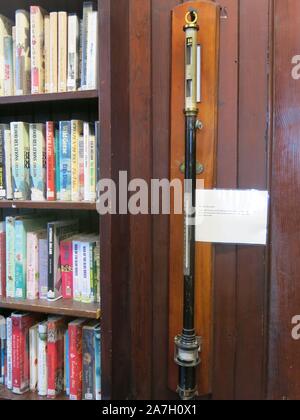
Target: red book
{"x": 75, "y": 356}
{"x": 55, "y": 356}
{"x": 20, "y": 351}
{"x": 2, "y": 264}
{"x": 50, "y": 138}
{"x": 66, "y": 256}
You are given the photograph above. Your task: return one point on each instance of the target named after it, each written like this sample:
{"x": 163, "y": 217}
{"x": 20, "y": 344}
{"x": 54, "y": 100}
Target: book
{"x": 55, "y": 356}
{"x": 76, "y": 271}
{"x": 37, "y": 136}
{"x": 43, "y": 267}
{"x": 67, "y": 363}
{"x": 5, "y": 30}
{"x": 57, "y": 232}
{"x": 9, "y": 353}
{"x": 87, "y": 160}
{"x": 33, "y": 357}
{"x": 81, "y": 162}
{"x": 8, "y": 66}
{"x": 20, "y": 160}
{"x": 23, "y": 64}
{"x": 93, "y": 168}
{"x": 3, "y": 127}
{"x": 65, "y": 152}
{"x": 92, "y": 53}
{"x": 53, "y": 52}
{"x": 47, "y": 49}
{"x": 73, "y": 52}
{"x": 88, "y": 8}
{"x": 57, "y": 164}
{"x": 2, "y": 259}
{"x": 14, "y": 56}
{"x": 97, "y": 273}
{"x": 87, "y": 270}
{"x": 42, "y": 359}
{"x": 2, "y": 349}
{"x": 98, "y": 362}
{"x": 62, "y": 51}
{"x": 33, "y": 260}
{"x": 8, "y": 163}
{"x": 89, "y": 355}
{"x": 98, "y": 148}
{"x": 76, "y": 133}
{"x": 20, "y": 351}
{"x": 75, "y": 349}
{"x": 51, "y": 169}
{"x": 66, "y": 255}
{"x": 37, "y": 49}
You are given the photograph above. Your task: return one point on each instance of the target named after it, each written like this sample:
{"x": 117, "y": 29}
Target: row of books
{"x": 48, "y": 53}
{"x": 52, "y": 161}
{"x": 48, "y": 260}
{"x": 51, "y": 356}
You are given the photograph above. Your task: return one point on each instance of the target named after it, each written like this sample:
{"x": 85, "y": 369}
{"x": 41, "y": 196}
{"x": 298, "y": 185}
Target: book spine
{"x": 50, "y": 136}
{"x": 88, "y": 368}
{"x": 14, "y": 58}
{"x": 98, "y": 148}
{"x": 33, "y": 354}
{"x": 23, "y": 67}
{"x": 52, "y": 363}
{"x": 38, "y": 161}
{"x": 73, "y": 53}
{"x": 66, "y": 254}
{"x": 93, "y": 168}
{"x": 3, "y": 349}
{"x": 20, "y": 161}
{"x": 67, "y": 364}
{"x": 87, "y": 160}
{"x": 5, "y": 29}
{"x": 2, "y": 163}
{"x": 51, "y": 268}
{"x": 81, "y": 167}
{"x": 2, "y": 261}
{"x": 76, "y": 272}
{"x": 8, "y": 66}
{"x": 42, "y": 360}
{"x": 75, "y": 336}
{"x": 87, "y": 291}
{"x": 97, "y": 273}
{"x": 43, "y": 269}
{"x": 92, "y": 50}
{"x": 47, "y": 49}
{"x": 57, "y": 164}
{"x": 65, "y": 161}
{"x": 20, "y": 260}
{"x": 8, "y": 173}
{"x": 97, "y": 338}
{"x": 9, "y": 353}
{"x": 76, "y": 132}
{"x": 10, "y": 257}
{"x": 17, "y": 357}
{"x": 87, "y": 9}
{"x": 37, "y": 49}
{"x": 53, "y": 52}
{"x": 32, "y": 266}
{"x": 62, "y": 51}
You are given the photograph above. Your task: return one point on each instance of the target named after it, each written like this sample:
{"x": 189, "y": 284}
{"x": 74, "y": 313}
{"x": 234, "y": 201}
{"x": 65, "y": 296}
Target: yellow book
{"x": 76, "y": 133}
{"x": 53, "y": 51}
{"x": 62, "y": 51}
{"x": 37, "y": 49}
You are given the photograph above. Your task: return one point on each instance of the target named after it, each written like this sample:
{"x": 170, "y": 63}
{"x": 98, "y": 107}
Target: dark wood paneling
{"x": 284, "y": 361}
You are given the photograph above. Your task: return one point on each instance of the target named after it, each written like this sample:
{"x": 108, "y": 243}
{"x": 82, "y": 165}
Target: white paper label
{"x": 232, "y": 216}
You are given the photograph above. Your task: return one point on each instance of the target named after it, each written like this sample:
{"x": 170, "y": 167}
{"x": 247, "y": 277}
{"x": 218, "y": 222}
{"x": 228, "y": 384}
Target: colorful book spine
{"x": 47, "y": 49}
{"x": 81, "y": 167}
{"x": 37, "y": 49}
{"x": 7, "y": 159}
{"x": 20, "y": 160}
{"x": 62, "y": 51}
{"x": 43, "y": 268}
{"x": 2, "y": 349}
{"x": 93, "y": 168}
{"x": 9, "y": 353}
{"x": 98, "y": 273}
{"x": 33, "y": 259}
{"x": 67, "y": 364}
{"x": 98, "y": 148}
{"x": 8, "y": 66}
{"x": 76, "y": 271}
{"x": 55, "y": 356}
{"x": 2, "y": 259}
{"x": 42, "y": 359}
{"x": 38, "y": 161}
{"x": 3, "y": 127}
{"x": 75, "y": 337}
{"x": 87, "y": 9}
{"x": 65, "y": 161}
{"x": 66, "y": 255}
{"x": 23, "y": 66}
{"x": 53, "y": 52}
{"x": 73, "y": 52}
{"x": 10, "y": 257}
{"x": 87, "y": 161}
{"x": 50, "y": 138}
{"x": 57, "y": 164}
{"x": 33, "y": 356}
{"x": 92, "y": 54}
{"x": 89, "y": 361}
{"x": 87, "y": 272}
{"x": 5, "y": 29}
{"x": 76, "y": 133}
{"x": 97, "y": 338}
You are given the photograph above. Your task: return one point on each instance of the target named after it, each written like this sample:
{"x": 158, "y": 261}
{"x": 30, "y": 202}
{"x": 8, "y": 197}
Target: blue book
{"x": 67, "y": 363}
{"x": 97, "y": 338}
{"x": 65, "y": 156}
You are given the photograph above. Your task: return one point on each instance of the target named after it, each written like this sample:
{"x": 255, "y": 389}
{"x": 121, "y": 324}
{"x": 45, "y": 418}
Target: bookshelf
{"x": 109, "y": 105}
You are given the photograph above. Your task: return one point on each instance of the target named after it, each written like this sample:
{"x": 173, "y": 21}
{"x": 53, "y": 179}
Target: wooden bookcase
{"x": 110, "y": 106}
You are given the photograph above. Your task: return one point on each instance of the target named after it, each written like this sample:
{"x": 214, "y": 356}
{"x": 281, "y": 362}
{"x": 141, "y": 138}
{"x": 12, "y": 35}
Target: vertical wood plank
{"x": 141, "y": 225}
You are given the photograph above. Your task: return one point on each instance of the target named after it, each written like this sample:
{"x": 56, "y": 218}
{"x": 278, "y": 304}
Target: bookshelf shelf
{"x": 60, "y": 307}
{"x": 5, "y": 394}
{"x": 48, "y": 205}
{"x": 86, "y": 95}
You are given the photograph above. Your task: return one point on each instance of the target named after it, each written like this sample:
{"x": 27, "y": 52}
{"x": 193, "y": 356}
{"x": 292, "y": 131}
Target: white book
{"x": 37, "y": 49}
{"x": 92, "y": 52}
{"x": 76, "y": 271}
{"x": 9, "y": 383}
{"x": 42, "y": 359}
{"x": 47, "y": 52}
{"x": 88, "y": 7}
{"x": 23, "y": 65}
{"x": 8, "y": 171}
{"x": 62, "y": 51}
{"x": 73, "y": 52}
{"x": 5, "y": 29}
{"x": 8, "y": 66}
{"x": 14, "y": 57}
{"x": 33, "y": 357}
{"x": 87, "y": 161}
{"x": 53, "y": 52}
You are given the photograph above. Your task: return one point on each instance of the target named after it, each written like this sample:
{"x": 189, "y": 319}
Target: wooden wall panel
{"x": 284, "y": 360}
